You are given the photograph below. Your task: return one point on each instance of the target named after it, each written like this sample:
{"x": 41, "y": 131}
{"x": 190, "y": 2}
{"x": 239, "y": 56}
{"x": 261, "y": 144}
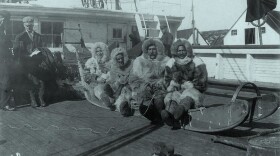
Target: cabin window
{"x": 51, "y": 32}
{"x": 233, "y": 32}
{"x": 263, "y": 30}
{"x": 15, "y": 29}
{"x": 117, "y": 33}
{"x": 250, "y": 36}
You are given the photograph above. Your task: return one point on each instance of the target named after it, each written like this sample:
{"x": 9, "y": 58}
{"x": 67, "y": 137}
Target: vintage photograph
{"x": 139, "y": 78}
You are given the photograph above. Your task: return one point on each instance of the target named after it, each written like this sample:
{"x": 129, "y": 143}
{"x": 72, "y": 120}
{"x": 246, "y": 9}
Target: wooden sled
{"x": 261, "y": 106}
{"x": 228, "y": 116}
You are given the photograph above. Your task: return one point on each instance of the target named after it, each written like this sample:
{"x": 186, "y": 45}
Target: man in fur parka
{"x": 147, "y": 80}
{"x": 97, "y": 72}
{"x": 117, "y": 86}
{"x": 186, "y": 75}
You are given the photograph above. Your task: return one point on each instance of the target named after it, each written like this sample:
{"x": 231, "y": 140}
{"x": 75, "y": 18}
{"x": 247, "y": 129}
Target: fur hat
{"x": 153, "y": 41}
{"x": 117, "y": 51}
{"x": 181, "y": 42}
{"x": 104, "y": 48}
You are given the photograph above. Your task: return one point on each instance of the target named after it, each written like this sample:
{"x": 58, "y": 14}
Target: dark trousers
{"x": 153, "y": 110}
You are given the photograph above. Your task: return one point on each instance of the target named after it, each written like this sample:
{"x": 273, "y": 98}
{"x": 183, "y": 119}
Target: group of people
{"x": 163, "y": 83}
{"x": 160, "y": 87}
{"x": 19, "y": 68}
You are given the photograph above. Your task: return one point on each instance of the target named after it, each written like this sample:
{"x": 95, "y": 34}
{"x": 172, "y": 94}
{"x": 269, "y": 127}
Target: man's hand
{"x": 100, "y": 79}
{"x": 123, "y": 79}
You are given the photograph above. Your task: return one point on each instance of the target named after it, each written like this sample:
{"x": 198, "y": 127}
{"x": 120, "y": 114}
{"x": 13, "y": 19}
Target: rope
{"x": 273, "y": 20}
{"x": 236, "y": 21}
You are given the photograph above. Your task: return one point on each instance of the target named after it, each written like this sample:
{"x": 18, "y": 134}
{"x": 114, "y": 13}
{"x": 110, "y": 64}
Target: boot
{"x": 187, "y": 102}
{"x": 108, "y": 90}
{"x": 125, "y": 109}
{"x": 179, "y": 111}
{"x": 158, "y": 104}
{"x": 150, "y": 113}
{"x": 33, "y": 100}
{"x": 167, "y": 118}
{"x": 106, "y": 100}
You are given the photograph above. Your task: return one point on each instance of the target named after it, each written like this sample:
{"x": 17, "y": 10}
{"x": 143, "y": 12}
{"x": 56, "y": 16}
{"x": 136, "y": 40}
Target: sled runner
{"x": 227, "y": 116}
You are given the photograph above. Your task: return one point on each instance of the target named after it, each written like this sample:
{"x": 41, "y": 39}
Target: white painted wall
{"x": 262, "y": 65}
{"x": 270, "y": 37}
{"x": 92, "y": 32}
{"x": 211, "y": 63}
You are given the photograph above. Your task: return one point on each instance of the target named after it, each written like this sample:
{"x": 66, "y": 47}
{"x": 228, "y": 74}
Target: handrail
{"x": 238, "y": 47}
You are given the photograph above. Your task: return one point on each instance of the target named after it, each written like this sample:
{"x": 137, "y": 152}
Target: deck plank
{"x": 20, "y": 139}
{"x": 54, "y": 137}
{"x": 129, "y": 141}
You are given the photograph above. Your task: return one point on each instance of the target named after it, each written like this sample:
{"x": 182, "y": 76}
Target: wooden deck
{"x": 80, "y": 128}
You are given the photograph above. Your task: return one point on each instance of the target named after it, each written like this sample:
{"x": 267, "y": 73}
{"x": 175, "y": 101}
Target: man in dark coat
{"x": 166, "y": 39}
{"x": 5, "y": 63}
{"x": 25, "y": 43}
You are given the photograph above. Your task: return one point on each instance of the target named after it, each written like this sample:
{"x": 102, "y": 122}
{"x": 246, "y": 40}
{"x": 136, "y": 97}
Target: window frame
{"x": 234, "y": 32}
{"x": 263, "y": 30}
{"x": 121, "y": 33}
{"x": 52, "y": 44}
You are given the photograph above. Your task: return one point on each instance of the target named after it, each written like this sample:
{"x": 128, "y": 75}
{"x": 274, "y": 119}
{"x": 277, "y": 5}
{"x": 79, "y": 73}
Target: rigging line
{"x": 201, "y": 36}
{"x": 273, "y": 20}
{"x": 273, "y": 17}
{"x": 236, "y": 21}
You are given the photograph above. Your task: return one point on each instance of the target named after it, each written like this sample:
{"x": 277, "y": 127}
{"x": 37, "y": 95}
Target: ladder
{"x": 148, "y": 26}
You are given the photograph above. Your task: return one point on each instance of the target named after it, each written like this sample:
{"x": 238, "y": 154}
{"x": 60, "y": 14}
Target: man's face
{"x": 182, "y": 52}
{"x": 120, "y": 59}
{"x": 28, "y": 26}
{"x": 152, "y": 52}
{"x": 99, "y": 52}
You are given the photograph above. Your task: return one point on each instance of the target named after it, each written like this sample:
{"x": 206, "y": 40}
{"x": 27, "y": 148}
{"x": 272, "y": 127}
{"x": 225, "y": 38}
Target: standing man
{"x": 5, "y": 63}
{"x": 25, "y": 43}
{"x": 166, "y": 39}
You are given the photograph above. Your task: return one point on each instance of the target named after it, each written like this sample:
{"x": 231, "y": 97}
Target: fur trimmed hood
{"x": 117, "y": 51}
{"x": 159, "y": 45}
{"x": 180, "y": 42}
{"x": 104, "y": 48}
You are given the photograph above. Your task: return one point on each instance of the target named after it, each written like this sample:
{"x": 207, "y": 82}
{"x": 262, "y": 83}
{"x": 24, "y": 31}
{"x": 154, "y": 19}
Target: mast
{"x": 193, "y": 25}
{"x": 135, "y": 6}
{"x": 260, "y": 32}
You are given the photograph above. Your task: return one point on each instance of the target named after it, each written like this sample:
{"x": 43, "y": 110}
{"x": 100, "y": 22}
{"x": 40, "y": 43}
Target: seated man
{"x": 97, "y": 71}
{"x": 186, "y": 75}
{"x": 147, "y": 73}
{"x": 117, "y": 86}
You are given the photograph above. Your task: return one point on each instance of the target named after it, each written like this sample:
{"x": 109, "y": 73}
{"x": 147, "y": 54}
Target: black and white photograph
{"x": 139, "y": 77}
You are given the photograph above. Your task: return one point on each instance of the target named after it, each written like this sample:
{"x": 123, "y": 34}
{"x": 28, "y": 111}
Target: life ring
{"x": 261, "y": 24}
